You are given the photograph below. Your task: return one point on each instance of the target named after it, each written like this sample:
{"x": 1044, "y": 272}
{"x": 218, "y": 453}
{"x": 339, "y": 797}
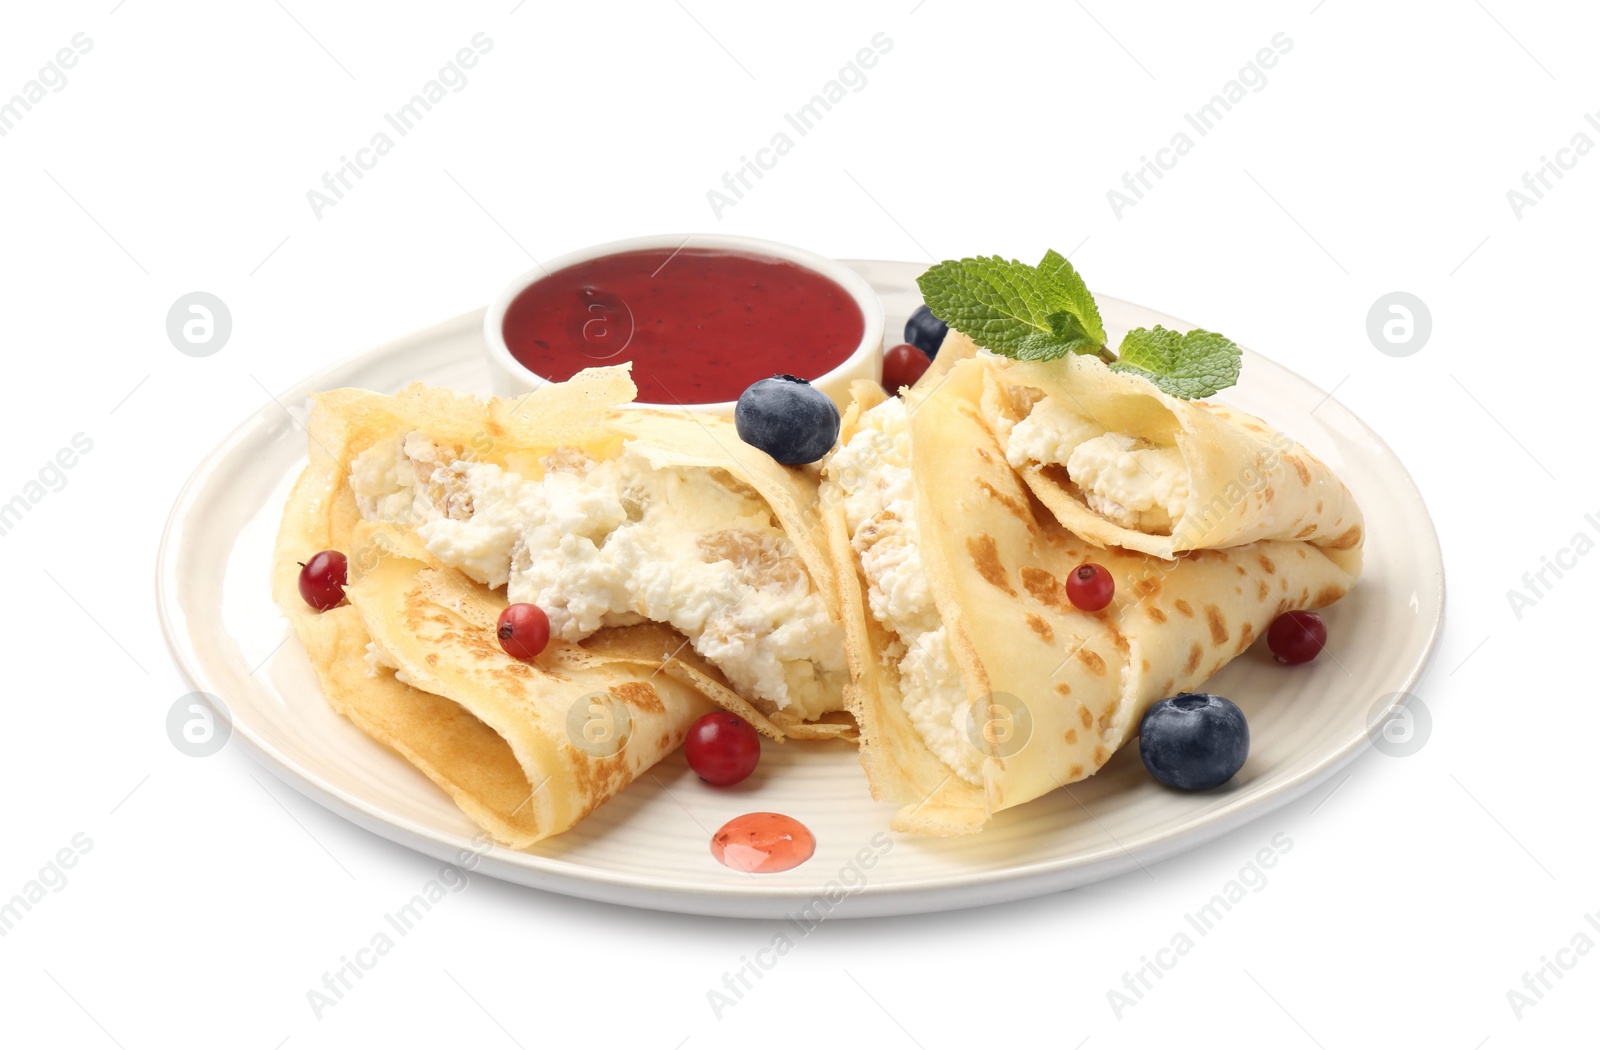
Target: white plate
{"x": 649, "y": 846}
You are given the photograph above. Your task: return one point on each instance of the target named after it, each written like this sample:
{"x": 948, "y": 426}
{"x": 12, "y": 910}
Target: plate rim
{"x": 744, "y": 899}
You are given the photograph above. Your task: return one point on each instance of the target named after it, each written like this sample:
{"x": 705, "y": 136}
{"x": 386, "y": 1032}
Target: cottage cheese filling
{"x": 872, "y": 473}
{"x": 1123, "y": 479}
{"x": 602, "y": 543}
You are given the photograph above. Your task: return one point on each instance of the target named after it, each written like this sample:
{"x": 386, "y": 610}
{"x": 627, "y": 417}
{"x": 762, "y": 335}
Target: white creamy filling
{"x": 872, "y": 473}
{"x": 379, "y": 662}
{"x": 1123, "y": 479}
{"x": 616, "y": 542}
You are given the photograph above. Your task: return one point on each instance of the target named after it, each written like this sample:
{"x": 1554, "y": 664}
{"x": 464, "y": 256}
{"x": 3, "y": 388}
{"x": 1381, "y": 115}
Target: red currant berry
{"x": 322, "y": 580}
{"x": 902, "y": 366}
{"x": 1297, "y": 637}
{"x": 523, "y": 630}
{"x": 1090, "y": 587}
{"x": 723, "y": 748}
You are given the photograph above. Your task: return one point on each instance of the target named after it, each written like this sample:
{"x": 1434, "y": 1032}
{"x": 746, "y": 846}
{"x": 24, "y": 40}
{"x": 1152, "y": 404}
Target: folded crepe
{"x": 1121, "y": 463}
{"x": 624, "y": 516}
{"x": 976, "y": 684}
{"x": 526, "y": 750}
{"x": 441, "y": 500}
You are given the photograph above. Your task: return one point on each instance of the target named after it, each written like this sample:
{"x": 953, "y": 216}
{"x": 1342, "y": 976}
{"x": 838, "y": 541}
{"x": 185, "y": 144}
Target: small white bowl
{"x": 511, "y": 378}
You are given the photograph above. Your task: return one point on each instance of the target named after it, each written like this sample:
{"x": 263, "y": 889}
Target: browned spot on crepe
{"x": 986, "y": 559}
{"x": 1347, "y": 539}
{"x": 1091, "y": 659}
{"x": 1327, "y": 596}
{"x": 1148, "y": 587}
{"x": 1155, "y": 614}
{"x": 1144, "y": 665}
{"x": 1319, "y": 506}
{"x": 1043, "y": 585}
{"x": 1195, "y": 653}
{"x": 1247, "y": 634}
{"x": 1064, "y": 689}
{"x": 1266, "y": 564}
{"x": 1183, "y": 607}
{"x": 1040, "y": 626}
{"x": 1309, "y": 530}
{"x": 1218, "y": 625}
{"x": 1118, "y": 641}
{"x": 1262, "y": 588}
{"x": 514, "y": 673}
{"x": 1266, "y": 496}
{"x": 1074, "y": 772}
{"x": 639, "y": 695}
{"x": 1083, "y": 716}
{"x": 1101, "y": 755}
{"x": 1006, "y": 500}
{"x": 1072, "y": 736}
{"x": 598, "y": 778}
{"x": 1300, "y": 469}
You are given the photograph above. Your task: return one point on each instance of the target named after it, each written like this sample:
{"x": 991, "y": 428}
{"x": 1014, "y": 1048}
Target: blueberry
{"x": 788, "y": 419}
{"x": 925, "y": 331}
{"x": 1193, "y": 740}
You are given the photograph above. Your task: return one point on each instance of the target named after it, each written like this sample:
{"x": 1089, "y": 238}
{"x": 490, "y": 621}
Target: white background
{"x": 1377, "y": 158}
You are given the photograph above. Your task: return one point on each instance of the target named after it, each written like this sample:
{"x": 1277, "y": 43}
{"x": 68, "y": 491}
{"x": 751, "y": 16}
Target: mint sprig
{"x": 1034, "y": 313}
{"x": 1039, "y": 313}
{"x": 1194, "y": 364}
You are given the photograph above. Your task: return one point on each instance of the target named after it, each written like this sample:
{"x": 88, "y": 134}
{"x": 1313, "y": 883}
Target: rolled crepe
{"x": 1123, "y": 464}
{"x": 1046, "y": 691}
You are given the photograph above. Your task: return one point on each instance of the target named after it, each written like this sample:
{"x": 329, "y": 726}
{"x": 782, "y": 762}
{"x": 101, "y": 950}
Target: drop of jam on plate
{"x": 763, "y": 843}
{"x": 699, "y": 325}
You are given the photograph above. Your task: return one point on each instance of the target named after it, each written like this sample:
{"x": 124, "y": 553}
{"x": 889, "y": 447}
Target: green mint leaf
{"x": 1072, "y": 294}
{"x": 1191, "y": 365}
{"x": 1066, "y": 336}
{"x": 1015, "y": 309}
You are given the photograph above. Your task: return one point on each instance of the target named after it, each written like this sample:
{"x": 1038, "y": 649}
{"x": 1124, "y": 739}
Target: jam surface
{"x": 699, "y": 325}
{"x": 763, "y": 843}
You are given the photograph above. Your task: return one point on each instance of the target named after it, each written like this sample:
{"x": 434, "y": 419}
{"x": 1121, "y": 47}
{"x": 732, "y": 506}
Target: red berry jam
{"x": 763, "y": 843}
